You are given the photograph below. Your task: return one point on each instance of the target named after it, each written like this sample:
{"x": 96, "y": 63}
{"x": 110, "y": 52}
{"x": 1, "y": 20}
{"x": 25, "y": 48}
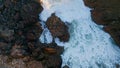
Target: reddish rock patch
{"x": 107, "y": 13}
{"x": 57, "y": 28}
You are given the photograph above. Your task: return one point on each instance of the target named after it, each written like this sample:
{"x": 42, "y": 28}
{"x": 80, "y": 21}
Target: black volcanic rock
{"x": 19, "y": 36}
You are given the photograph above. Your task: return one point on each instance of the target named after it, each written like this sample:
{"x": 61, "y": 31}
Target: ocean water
{"x": 89, "y": 46}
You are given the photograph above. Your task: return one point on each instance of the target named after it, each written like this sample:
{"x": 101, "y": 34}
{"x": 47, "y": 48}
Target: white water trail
{"x": 89, "y": 46}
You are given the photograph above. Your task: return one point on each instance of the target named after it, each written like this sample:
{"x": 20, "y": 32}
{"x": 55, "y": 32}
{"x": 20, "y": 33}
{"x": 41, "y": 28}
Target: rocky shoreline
{"x": 107, "y": 13}
{"x": 19, "y": 36}
{"x": 20, "y": 30}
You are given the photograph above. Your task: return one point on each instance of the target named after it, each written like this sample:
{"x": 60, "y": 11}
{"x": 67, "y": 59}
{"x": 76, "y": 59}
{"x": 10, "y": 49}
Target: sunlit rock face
{"x": 89, "y": 45}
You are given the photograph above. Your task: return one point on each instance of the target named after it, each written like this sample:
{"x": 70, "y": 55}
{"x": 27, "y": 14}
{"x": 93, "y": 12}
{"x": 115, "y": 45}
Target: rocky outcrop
{"x": 16, "y": 14}
{"x": 46, "y": 56}
{"x": 57, "y": 28}
{"x": 19, "y": 63}
{"x": 107, "y": 13}
{"x": 19, "y": 24}
{"x": 19, "y": 36}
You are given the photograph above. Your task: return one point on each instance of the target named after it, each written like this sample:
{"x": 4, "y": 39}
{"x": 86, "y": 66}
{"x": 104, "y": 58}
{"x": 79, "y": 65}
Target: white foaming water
{"x": 46, "y": 36}
{"x": 89, "y": 46}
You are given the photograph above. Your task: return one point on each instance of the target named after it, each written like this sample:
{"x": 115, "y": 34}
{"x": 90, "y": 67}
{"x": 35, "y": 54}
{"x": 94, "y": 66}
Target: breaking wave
{"x": 89, "y": 46}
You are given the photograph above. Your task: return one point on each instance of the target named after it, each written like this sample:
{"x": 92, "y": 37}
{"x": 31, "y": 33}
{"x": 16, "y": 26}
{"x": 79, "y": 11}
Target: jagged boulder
{"x": 57, "y": 28}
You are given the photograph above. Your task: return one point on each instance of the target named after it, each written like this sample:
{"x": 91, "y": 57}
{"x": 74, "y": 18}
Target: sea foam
{"x": 89, "y": 46}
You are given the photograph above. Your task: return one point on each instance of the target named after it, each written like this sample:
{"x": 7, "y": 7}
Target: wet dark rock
{"x": 53, "y": 48}
{"x": 17, "y": 51}
{"x": 30, "y": 36}
{"x": 40, "y": 52}
{"x": 65, "y": 66}
{"x": 47, "y": 54}
{"x": 6, "y": 34}
{"x": 35, "y": 64}
{"x": 2, "y": 44}
{"x": 114, "y": 32}
{"x": 33, "y": 32}
{"x": 106, "y": 13}
{"x": 27, "y": 59}
{"x": 19, "y": 36}
{"x": 57, "y": 28}
{"x": 52, "y": 61}
{"x": 52, "y": 58}
{"x": 1, "y": 6}
{"x": 3, "y": 47}
{"x": 7, "y": 3}
{"x": 17, "y": 14}
{"x": 29, "y": 13}
{"x": 19, "y": 21}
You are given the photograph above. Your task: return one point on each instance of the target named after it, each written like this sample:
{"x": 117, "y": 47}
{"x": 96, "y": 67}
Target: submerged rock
{"x": 65, "y": 66}
{"x": 57, "y": 28}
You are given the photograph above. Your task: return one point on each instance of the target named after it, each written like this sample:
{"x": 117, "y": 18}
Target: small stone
{"x": 50, "y": 50}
